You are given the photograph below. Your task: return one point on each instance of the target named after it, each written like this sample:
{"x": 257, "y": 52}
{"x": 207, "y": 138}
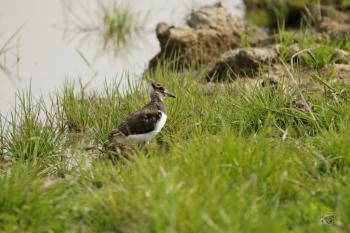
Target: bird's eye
{"x": 161, "y": 89}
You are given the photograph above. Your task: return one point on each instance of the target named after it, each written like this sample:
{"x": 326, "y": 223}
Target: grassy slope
{"x": 230, "y": 159}
{"x": 236, "y": 160}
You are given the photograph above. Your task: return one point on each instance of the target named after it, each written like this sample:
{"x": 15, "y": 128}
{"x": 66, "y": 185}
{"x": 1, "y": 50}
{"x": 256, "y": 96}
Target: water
{"x": 43, "y": 53}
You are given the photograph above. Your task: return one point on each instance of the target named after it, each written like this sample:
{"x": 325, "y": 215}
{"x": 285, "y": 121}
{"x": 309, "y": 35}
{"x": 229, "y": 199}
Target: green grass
{"x": 316, "y": 51}
{"x": 31, "y": 133}
{"x": 230, "y": 159}
{"x": 26, "y": 204}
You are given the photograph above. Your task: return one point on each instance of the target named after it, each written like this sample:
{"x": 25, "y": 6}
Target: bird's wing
{"x": 140, "y": 122}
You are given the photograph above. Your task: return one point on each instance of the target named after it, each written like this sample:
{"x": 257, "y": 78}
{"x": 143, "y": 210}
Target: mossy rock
{"x": 275, "y": 13}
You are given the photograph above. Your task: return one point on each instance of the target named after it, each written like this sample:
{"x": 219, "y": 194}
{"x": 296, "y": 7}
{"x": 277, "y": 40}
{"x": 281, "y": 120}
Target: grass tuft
{"x": 31, "y": 133}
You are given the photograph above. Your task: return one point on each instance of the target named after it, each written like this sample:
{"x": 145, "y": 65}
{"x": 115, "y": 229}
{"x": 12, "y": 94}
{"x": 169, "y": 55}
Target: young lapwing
{"x": 146, "y": 123}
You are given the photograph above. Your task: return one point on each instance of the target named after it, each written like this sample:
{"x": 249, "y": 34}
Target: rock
{"x": 241, "y": 62}
{"x": 334, "y": 28}
{"x": 210, "y": 31}
{"x": 342, "y": 56}
{"x": 47, "y": 183}
{"x": 334, "y": 23}
{"x": 275, "y": 12}
{"x": 288, "y": 52}
{"x": 215, "y": 17}
{"x": 293, "y": 49}
{"x": 5, "y": 161}
{"x": 259, "y": 37}
{"x": 340, "y": 33}
{"x": 98, "y": 184}
{"x": 323, "y": 12}
{"x": 303, "y": 105}
{"x": 296, "y": 13}
{"x": 337, "y": 71}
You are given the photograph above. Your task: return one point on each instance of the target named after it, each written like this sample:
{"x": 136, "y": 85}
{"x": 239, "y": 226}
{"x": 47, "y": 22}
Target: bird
{"x": 144, "y": 124}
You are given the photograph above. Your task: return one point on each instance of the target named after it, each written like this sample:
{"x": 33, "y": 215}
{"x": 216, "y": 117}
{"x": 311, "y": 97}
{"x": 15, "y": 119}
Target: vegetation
{"x": 265, "y": 165}
{"x": 232, "y": 157}
{"x": 119, "y": 26}
{"x": 291, "y": 12}
{"x": 114, "y": 26}
{"x": 320, "y": 51}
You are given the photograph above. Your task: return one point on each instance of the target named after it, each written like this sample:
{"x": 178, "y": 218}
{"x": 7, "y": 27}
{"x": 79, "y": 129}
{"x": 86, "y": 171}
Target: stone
{"x": 334, "y": 28}
{"x": 342, "y": 56}
{"x": 296, "y": 13}
{"x": 293, "y": 49}
{"x": 337, "y": 71}
{"x": 215, "y": 17}
{"x": 259, "y": 37}
{"x": 210, "y": 31}
{"x": 334, "y": 22}
{"x": 303, "y": 105}
{"x": 241, "y": 62}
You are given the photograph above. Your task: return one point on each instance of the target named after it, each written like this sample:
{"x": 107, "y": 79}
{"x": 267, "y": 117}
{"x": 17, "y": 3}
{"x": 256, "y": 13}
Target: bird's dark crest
{"x": 157, "y": 87}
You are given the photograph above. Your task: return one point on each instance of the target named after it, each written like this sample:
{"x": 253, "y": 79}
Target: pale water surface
{"x": 45, "y": 51}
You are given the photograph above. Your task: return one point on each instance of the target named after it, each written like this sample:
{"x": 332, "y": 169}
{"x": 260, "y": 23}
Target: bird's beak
{"x": 169, "y": 94}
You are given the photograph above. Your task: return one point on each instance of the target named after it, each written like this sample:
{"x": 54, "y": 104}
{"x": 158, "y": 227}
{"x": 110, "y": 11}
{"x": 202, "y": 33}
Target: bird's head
{"x": 159, "y": 92}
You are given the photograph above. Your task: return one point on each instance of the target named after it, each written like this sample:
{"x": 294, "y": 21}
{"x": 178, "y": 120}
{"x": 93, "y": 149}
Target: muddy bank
{"x": 229, "y": 47}
{"x": 209, "y": 32}
{"x": 292, "y": 13}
